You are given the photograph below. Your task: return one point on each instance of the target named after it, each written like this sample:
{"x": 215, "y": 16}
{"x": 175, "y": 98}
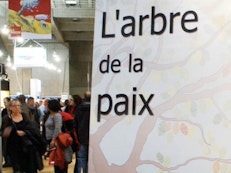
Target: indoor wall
{"x": 74, "y": 78}
{"x": 53, "y": 82}
{"x": 80, "y": 65}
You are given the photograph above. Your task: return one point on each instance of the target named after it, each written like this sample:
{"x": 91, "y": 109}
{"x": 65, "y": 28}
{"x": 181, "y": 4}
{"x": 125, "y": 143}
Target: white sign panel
{"x": 30, "y": 57}
{"x": 161, "y": 89}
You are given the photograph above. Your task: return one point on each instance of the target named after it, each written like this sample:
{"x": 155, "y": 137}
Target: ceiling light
{"x": 9, "y": 64}
{"x": 56, "y": 57}
{"x": 75, "y": 19}
{"x": 1, "y": 53}
{"x": 13, "y": 67}
{"x": 8, "y": 58}
{"x": 70, "y": 2}
{"x": 20, "y": 39}
{"x": 5, "y": 30}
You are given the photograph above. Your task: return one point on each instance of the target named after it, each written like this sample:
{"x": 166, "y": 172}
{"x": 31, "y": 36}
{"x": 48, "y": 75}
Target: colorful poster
{"x": 161, "y": 89}
{"x": 30, "y": 19}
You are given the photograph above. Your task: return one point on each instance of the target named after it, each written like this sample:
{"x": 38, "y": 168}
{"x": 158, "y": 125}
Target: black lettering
{"x": 153, "y": 21}
{"x": 142, "y": 18}
{"x": 172, "y": 16}
{"x": 158, "y": 23}
{"x": 100, "y": 112}
{"x": 104, "y": 65}
{"x": 130, "y": 26}
{"x": 193, "y": 19}
{"x": 137, "y": 67}
{"x": 146, "y": 106}
{"x": 121, "y": 104}
{"x": 115, "y": 63}
{"x": 104, "y": 35}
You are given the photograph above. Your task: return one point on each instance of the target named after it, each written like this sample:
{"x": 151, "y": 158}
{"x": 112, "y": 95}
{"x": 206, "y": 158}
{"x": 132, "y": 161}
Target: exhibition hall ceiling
{"x": 73, "y": 22}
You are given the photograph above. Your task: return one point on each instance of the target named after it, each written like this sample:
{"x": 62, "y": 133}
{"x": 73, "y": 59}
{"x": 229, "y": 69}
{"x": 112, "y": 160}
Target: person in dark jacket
{"x": 34, "y": 113}
{"x": 82, "y": 120}
{"x": 24, "y": 107}
{"x": 5, "y": 112}
{"x": 21, "y": 140}
{"x": 75, "y": 101}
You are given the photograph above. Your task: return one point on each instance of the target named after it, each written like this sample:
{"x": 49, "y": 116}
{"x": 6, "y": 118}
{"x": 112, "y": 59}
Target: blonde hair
{"x": 12, "y": 102}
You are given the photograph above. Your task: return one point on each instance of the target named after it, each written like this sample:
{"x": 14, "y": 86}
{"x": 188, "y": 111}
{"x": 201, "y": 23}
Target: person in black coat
{"x": 82, "y": 120}
{"x": 34, "y": 113}
{"x": 5, "y": 112}
{"x": 23, "y": 140}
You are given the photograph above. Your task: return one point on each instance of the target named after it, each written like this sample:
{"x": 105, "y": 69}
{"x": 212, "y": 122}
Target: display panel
{"x": 30, "y": 19}
{"x": 161, "y": 87}
{"x": 29, "y": 57}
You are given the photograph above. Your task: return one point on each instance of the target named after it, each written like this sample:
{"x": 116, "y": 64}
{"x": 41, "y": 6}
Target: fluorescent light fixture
{"x": 20, "y": 39}
{"x": 1, "y": 53}
{"x": 56, "y": 57}
{"x": 5, "y": 30}
{"x": 70, "y": 2}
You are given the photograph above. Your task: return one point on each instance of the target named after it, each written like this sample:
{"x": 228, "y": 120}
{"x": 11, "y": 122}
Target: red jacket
{"x": 69, "y": 117}
{"x": 57, "y": 156}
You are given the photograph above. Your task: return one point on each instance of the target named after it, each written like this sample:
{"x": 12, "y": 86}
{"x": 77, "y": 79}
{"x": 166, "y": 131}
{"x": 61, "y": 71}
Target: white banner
{"x": 161, "y": 89}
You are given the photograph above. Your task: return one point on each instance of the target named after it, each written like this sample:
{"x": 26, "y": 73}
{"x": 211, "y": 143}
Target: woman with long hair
{"x": 53, "y": 127}
{"x": 74, "y": 101}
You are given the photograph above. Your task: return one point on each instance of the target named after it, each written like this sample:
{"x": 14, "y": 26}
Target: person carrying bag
{"x": 22, "y": 140}
{"x": 61, "y": 156}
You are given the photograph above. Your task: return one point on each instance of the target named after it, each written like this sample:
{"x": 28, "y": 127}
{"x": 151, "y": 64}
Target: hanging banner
{"x": 30, "y": 19}
{"x": 161, "y": 87}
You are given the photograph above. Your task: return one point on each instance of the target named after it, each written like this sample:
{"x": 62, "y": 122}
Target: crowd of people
{"x": 32, "y": 131}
